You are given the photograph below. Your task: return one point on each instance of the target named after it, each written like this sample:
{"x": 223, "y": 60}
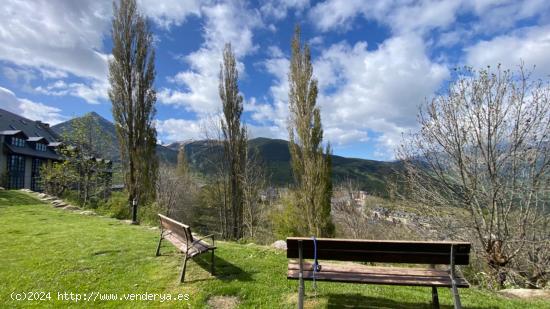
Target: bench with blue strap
{"x": 378, "y": 251}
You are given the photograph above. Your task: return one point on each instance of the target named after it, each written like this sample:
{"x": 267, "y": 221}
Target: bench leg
{"x": 456, "y": 297}
{"x": 301, "y": 276}
{"x": 454, "y": 288}
{"x": 183, "y": 269}
{"x": 213, "y": 265}
{"x": 301, "y": 294}
{"x": 158, "y": 247}
{"x": 435, "y": 298}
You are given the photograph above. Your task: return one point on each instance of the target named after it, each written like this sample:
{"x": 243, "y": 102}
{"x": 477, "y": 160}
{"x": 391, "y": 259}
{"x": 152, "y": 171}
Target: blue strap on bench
{"x": 316, "y": 266}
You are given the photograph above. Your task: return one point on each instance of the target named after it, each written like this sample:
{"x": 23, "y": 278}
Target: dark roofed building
{"x": 25, "y": 145}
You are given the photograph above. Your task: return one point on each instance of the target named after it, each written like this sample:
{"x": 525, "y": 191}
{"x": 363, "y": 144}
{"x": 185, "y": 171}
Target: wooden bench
{"x": 404, "y": 252}
{"x": 180, "y": 236}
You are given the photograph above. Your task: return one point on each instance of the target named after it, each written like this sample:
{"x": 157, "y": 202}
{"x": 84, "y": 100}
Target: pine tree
{"x": 311, "y": 167}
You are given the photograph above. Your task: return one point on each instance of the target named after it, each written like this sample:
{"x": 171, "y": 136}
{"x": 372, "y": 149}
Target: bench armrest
{"x": 211, "y": 236}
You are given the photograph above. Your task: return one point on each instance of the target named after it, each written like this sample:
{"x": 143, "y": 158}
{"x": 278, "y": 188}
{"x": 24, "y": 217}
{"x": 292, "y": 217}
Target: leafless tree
{"x": 356, "y": 219}
{"x": 254, "y": 185}
{"x": 176, "y": 194}
{"x": 168, "y": 190}
{"x": 349, "y": 217}
{"x": 483, "y": 149}
{"x": 216, "y": 193}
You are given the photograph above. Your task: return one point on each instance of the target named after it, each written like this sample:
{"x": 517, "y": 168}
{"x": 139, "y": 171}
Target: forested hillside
{"x": 370, "y": 175}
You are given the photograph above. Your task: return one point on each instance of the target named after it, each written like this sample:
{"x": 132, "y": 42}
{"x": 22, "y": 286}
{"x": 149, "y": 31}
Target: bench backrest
{"x": 383, "y": 251}
{"x": 177, "y": 229}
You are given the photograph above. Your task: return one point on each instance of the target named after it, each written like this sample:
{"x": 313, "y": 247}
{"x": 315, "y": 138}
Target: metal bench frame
{"x": 181, "y": 237}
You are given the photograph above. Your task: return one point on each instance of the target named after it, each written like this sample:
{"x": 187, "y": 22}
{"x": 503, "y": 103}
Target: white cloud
{"x": 167, "y": 13}
{"x": 225, "y": 22}
{"x": 497, "y": 16}
{"x": 9, "y": 101}
{"x": 361, "y": 91}
{"x": 334, "y": 14}
{"x": 65, "y": 37}
{"x": 55, "y": 36}
{"x": 420, "y": 16}
{"x": 316, "y": 41}
{"x": 19, "y": 76}
{"x": 275, "y": 114}
{"x": 528, "y": 45}
{"x": 344, "y": 137}
{"x": 278, "y": 9}
{"x": 58, "y": 39}
{"x": 427, "y": 15}
{"x": 29, "y": 109}
{"x": 172, "y": 130}
{"x": 92, "y": 93}
{"x": 274, "y": 52}
{"x": 377, "y": 90}
{"x": 270, "y": 131}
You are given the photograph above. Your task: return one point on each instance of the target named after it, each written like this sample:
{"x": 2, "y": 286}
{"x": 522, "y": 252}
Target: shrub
{"x": 149, "y": 214}
{"x": 116, "y": 206}
{"x": 284, "y": 217}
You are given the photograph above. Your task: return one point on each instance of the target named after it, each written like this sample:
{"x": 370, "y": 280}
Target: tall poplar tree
{"x": 133, "y": 97}
{"x": 311, "y": 167}
{"x": 235, "y": 139}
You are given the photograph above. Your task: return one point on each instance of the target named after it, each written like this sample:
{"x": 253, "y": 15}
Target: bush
{"x": 148, "y": 214}
{"x": 116, "y": 206}
{"x": 284, "y": 217}
{"x": 70, "y": 196}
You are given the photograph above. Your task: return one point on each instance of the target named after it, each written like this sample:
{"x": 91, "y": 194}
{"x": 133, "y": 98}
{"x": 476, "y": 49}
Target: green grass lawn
{"x": 43, "y": 249}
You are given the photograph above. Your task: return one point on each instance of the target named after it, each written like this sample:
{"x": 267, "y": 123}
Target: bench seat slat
{"x": 200, "y": 247}
{"x": 382, "y": 272}
{"x": 197, "y": 248}
{"x": 376, "y": 275}
{"x": 358, "y": 268}
{"x": 382, "y": 275}
{"x": 372, "y": 279}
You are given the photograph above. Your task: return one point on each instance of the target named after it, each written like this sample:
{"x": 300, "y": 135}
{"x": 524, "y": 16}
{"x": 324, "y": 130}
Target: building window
{"x": 16, "y": 172}
{"x": 40, "y": 147}
{"x": 35, "y": 175}
{"x": 17, "y": 142}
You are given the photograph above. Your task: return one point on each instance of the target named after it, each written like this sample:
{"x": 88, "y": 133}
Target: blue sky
{"x": 376, "y": 61}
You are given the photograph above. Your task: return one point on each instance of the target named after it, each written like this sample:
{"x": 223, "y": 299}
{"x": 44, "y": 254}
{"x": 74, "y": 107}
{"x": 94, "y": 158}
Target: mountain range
{"x": 369, "y": 175}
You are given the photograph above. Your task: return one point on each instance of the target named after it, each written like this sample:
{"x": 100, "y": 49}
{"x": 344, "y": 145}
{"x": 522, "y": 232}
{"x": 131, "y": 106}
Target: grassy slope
{"x": 47, "y": 249}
